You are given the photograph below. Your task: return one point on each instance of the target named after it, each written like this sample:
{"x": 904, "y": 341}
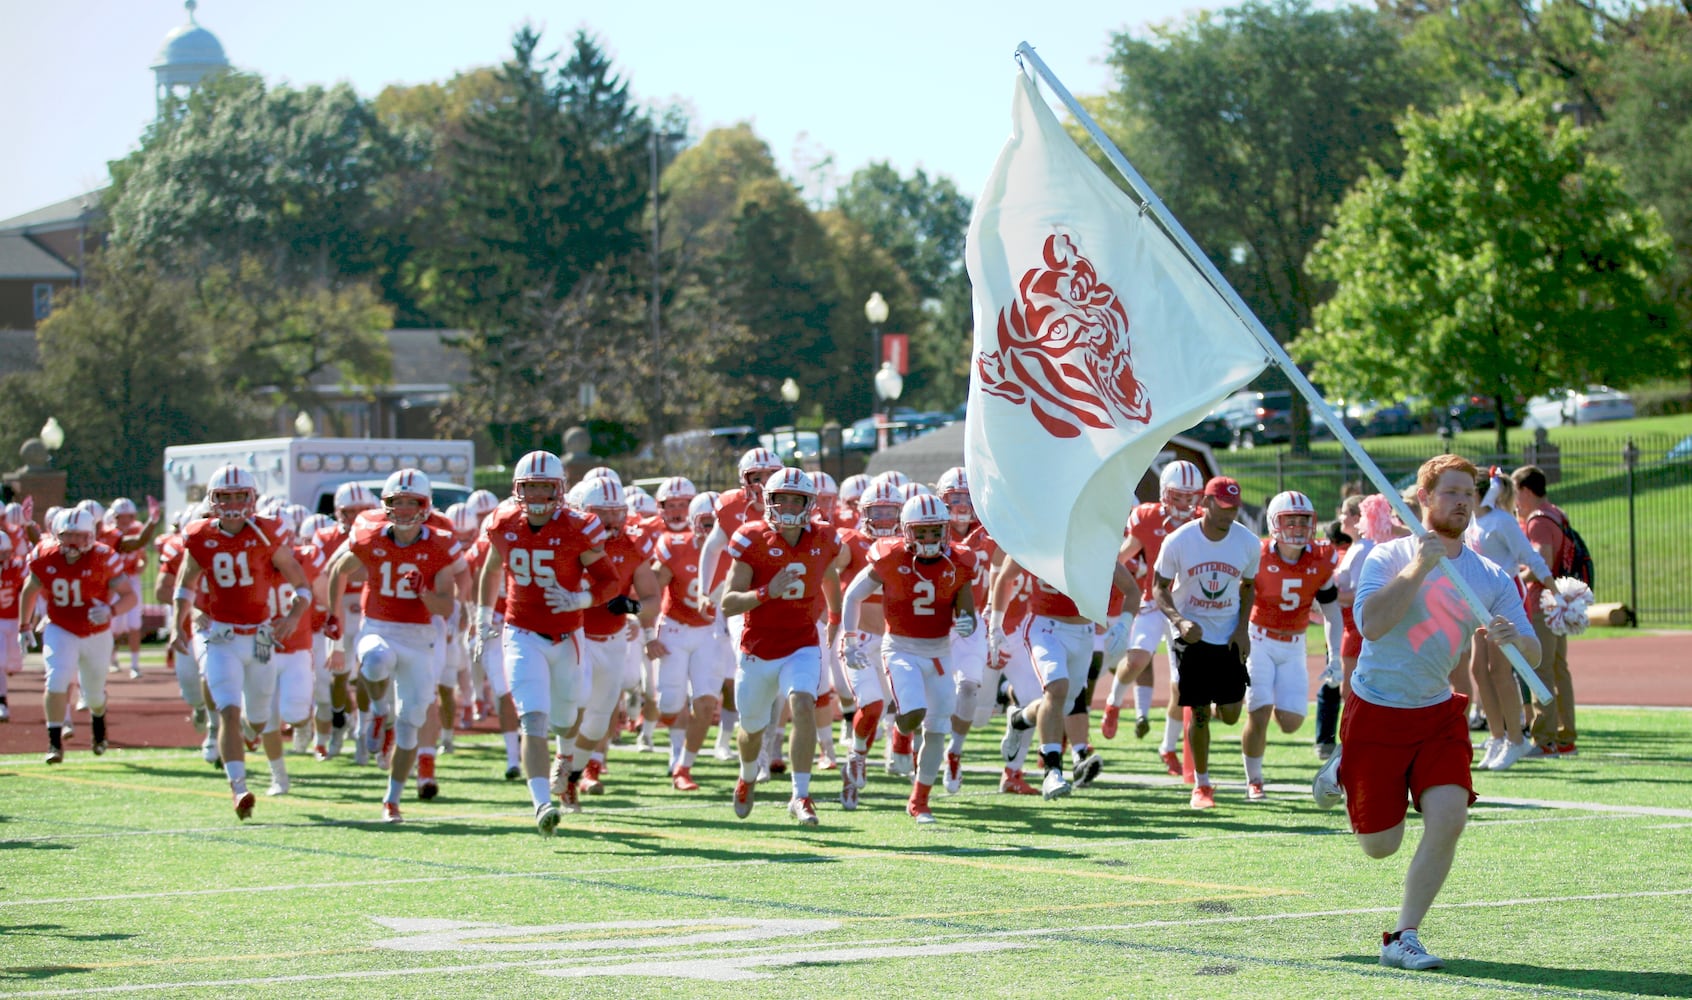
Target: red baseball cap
{"x": 1224, "y": 491}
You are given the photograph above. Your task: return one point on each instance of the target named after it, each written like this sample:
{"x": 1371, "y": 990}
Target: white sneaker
{"x": 1407, "y": 953}
{"x": 302, "y": 739}
{"x": 1055, "y": 785}
{"x": 1490, "y": 750}
{"x": 134, "y": 672}
{"x": 200, "y": 717}
{"x": 208, "y": 750}
{"x": 900, "y": 765}
{"x": 67, "y": 730}
{"x": 1325, "y": 787}
{"x": 81, "y": 703}
{"x": 643, "y": 743}
{"x": 5, "y": 713}
{"x": 337, "y": 738}
{"x": 1508, "y": 754}
{"x": 278, "y": 786}
{"x": 1016, "y": 741}
{"x": 724, "y": 750}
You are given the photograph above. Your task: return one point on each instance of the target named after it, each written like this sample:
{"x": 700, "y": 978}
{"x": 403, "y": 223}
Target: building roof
{"x": 190, "y": 47}
{"x": 424, "y": 360}
{"x": 67, "y": 214}
{"x": 21, "y": 258}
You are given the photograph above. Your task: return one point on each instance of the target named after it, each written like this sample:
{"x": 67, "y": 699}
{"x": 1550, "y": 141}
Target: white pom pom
{"x": 1565, "y": 606}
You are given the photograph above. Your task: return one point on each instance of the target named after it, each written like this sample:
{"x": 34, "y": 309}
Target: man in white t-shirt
{"x": 1204, "y": 586}
{"x": 1404, "y": 737}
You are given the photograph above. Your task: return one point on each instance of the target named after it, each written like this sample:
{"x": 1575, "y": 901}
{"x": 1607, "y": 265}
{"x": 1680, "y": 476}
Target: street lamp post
{"x": 657, "y": 283}
{"x": 875, "y": 310}
{"x": 790, "y": 396}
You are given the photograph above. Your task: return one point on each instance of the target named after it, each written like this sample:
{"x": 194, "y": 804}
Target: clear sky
{"x": 919, "y": 83}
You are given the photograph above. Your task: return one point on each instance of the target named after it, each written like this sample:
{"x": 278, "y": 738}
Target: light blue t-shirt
{"x": 1410, "y": 666}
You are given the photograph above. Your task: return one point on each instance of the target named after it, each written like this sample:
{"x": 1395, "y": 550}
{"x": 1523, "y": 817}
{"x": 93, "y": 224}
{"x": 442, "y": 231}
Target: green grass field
{"x": 129, "y": 874}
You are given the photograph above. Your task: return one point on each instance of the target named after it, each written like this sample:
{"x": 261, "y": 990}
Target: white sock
{"x": 825, "y": 740}
{"x": 279, "y": 769}
{"x": 1116, "y": 693}
{"x": 540, "y": 791}
{"x": 1171, "y": 733}
{"x": 801, "y": 785}
{"x": 648, "y": 727}
{"x": 1254, "y": 768}
{"x": 510, "y": 749}
{"x": 1142, "y": 700}
{"x": 237, "y": 772}
{"x": 725, "y": 726}
{"x": 135, "y": 661}
{"x": 675, "y": 746}
{"x": 1202, "y": 779}
{"x": 957, "y": 742}
{"x": 597, "y": 757}
{"x": 688, "y": 757}
{"x": 396, "y": 787}
{"x": 749, "y": 770}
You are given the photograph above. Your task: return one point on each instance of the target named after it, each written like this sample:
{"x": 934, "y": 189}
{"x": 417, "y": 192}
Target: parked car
{"x": 1467, "y": 413}
{"x": 1213, "y": 430}
{"x": 791, "y": 446}
{"x": 1256, "y": 418}
{"x": 1594, "y": 404}
{"x": 1377, "y": 419}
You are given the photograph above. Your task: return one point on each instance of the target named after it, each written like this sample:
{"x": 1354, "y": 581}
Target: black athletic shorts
{"x": 1210, "y": 674}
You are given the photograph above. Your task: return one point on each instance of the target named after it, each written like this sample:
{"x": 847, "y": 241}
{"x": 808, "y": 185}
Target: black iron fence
{"x": 1629, "y": 497}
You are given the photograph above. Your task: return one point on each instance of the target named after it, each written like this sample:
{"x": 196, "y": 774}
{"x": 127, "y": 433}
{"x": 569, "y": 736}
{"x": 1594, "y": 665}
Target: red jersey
{"x": 237, "y": 575}
{"x": 1150, "y": 524}
{"x": 13, "y": 569}
{"x": 1049, "y": 601}
{"x": 133, "y": 562}
{"x": 1016, "y": 611}
{"x": 734, "y": 508}
{"x": 920, "y": 591}
{"x": 857, "y": 546}
{"x": 981, "y": 545}
{"x": 170, "y": 554}
{"x": 312, "y": 563}
{"x": 683, "y": 595}
{"x": 1285, "y": 591}
{"x": 397, "y": 572}
{"x": 786, "y": 622}
{"x": 536, "y": 558}
{"x": 329, "y": 541}
{"x": 845, "y": 516}
{"x": 72, "y": 589}
{"x": 625, "y": 552}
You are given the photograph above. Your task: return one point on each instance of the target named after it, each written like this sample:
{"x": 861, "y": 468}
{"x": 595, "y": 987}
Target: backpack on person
{"x": 1574, "y": 559}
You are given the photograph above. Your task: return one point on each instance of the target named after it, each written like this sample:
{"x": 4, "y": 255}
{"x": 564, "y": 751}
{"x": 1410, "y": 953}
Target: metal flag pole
{"x": 1150, "y": 202}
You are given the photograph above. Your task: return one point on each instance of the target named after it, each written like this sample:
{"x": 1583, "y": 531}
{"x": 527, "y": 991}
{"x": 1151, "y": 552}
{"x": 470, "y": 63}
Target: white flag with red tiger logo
{"x": 1096, "y": 340}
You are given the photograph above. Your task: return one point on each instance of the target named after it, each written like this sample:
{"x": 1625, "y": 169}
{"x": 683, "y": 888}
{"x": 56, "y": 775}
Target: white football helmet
{"x": 464, "y": 521}
{"x": 312, "y": 525}
{"x": 74, "y": 528}
{"x": 1179, "y": 486}
{"x": 1292, "y": 518}
{"x": 915, "y": 490}
{"x": 603, "y": 472}
{"x": 232, "y": 492}
{"x": 675, "y": 497}
{"x": 761, "y": 462}
{"x": 925, "y": 510}
{"x": 93, "y": 507}
{"x": 410, "y": 483}
{"x": 852, "y": 488}
{"x": 5, "y": 544}
{"x": 789, "y": 482}
{"x": 350, "y": 498}
{"x": 953, "y": 489}
{"x": 893, "y": 476}
{"x": 880, "y": 507}
{"x": 605, "y": 499}
{"x": 482, "y": 503}
{"x": 123, "y": 506}
{"x": 640, "y": 504}
{"x": 828, "y": 494}
{"x": 14, "y": 515}
{"x": 702, "y": 514}
{"x": 292, "y": 515}
{"x": 538, "y": 467}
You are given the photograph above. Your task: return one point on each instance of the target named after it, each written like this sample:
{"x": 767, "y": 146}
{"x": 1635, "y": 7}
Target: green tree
{"x": 1251, "y": 124}
{"x": 124, "y": 369}
{"x": 1504, "y": 262}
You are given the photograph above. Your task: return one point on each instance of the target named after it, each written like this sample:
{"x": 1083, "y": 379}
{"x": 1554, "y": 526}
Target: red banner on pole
{"x": 896, "y": 350}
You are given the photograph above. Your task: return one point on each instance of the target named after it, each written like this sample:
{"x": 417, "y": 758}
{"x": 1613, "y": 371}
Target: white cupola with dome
{"x": 189, "y": 54}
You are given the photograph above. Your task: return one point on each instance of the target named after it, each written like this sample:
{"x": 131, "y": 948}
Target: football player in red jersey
{"x": 545, "y": 553}
{"x": 1060, "y": 643}
{"x": 84, "y": 587}
{"x": 410, "y": 568}
{"x": 1179, "y": 486}
{"x": 977, "y": 679}
{"x": 183, "y": 665}
{"x": 1295, "y": 570}
{"x": 295, "y": 678}
{"x": 1007, "y": 648}
{"x": 129, "y": 538}
{"x": 230, "y": 566}
{"x": 689, "y": 643}
{"x": 846, "y": 512}
{"x": 13, "y": 568}
{"x": 879, "y": 508}
{"x": 352, "y": 500}
{"x": 782, "y": 575}
{"x": 925, "y": 581}
{"x": 605, "y": 626}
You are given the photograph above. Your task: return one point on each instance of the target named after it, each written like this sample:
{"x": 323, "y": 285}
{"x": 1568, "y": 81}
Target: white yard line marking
{"x": 565, "y": 966}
